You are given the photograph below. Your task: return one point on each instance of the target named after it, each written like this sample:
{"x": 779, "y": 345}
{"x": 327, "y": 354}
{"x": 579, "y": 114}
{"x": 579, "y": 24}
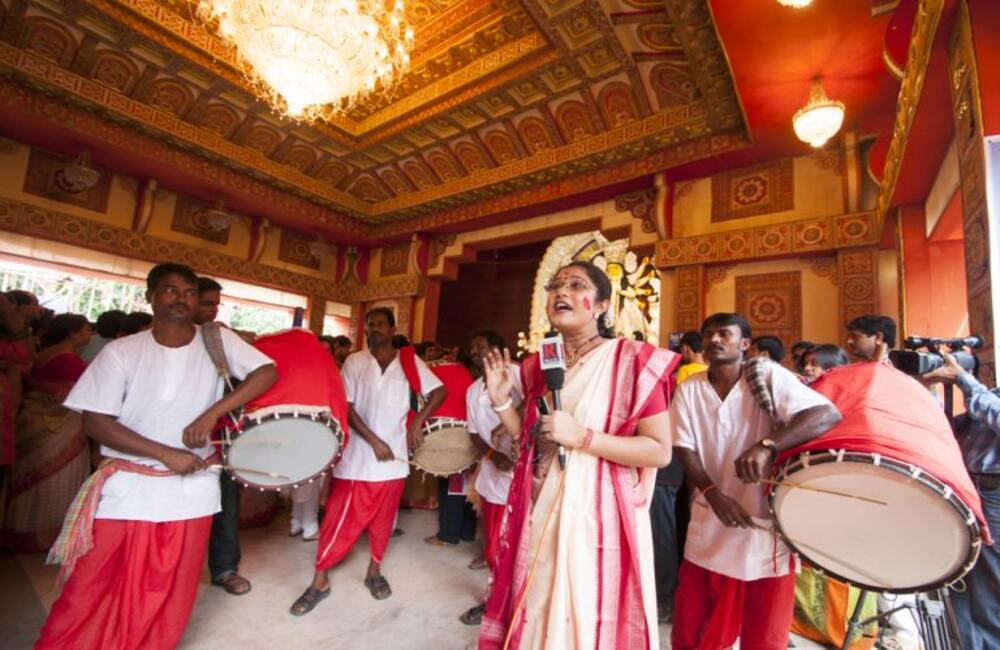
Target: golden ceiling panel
{"x": 503, "y": 95}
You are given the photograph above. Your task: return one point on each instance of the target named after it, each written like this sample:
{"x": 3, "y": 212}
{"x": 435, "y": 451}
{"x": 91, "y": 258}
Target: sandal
{"x": 308, "y": 600}
{"x": 478, "y": 564}
{"x": 473, "y": 616}
{"x": 379, "y": 587}
{"x": 234, "y": 584}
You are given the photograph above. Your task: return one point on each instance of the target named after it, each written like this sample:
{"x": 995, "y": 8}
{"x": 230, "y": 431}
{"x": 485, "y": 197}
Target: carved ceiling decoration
{"x": 503, "y": 96}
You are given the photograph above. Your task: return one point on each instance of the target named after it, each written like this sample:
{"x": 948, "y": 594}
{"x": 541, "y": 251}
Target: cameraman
{"x": 977, "y": 608}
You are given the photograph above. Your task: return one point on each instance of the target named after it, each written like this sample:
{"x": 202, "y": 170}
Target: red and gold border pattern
{"x": 791, "y": 238}
{"x": 967, "y": 113}
{"x": 28, "y": 219}
{"x": 116, "y": 104}
{"x": 857, "y": 272}
{"x": 54, "y": 110}
{"x": 689, "y": 303}
{"x": 31, "y": 220}
{"x": 925, "y": 26}
{"x": 703, "y": 147}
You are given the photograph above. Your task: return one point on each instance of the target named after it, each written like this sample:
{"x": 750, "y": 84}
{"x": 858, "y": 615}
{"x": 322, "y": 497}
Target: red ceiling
{"x": 775, "y": 52}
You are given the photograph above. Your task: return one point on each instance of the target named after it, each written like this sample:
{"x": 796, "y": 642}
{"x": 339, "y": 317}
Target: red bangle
{"x": 587, "y": 439}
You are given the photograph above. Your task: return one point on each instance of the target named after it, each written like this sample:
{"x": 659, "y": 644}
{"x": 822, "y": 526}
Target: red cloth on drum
{"x": 713, "y": 610}
{"x": 456, "y": 380}
{"x": 492, "y": 518}
{"x": 307, "y": 374}
{"x": 353, "y": 508}
{"x": 134, "y": 589}
{"x": 889, "y": 413}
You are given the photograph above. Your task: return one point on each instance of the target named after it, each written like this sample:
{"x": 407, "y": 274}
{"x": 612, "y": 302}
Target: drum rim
{"x": 927, "y": 480}
{"x": 433, "y": 425}
{"x": 327, "y": 419}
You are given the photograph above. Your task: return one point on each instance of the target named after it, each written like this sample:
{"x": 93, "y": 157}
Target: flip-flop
{"x": 308, "y": 600}
{"x": 473, "y": 616}
{"x": 379, "y": 587}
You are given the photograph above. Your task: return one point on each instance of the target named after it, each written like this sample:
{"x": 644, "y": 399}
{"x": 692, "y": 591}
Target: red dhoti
{"x": 353, "y": 508}
{"x": 492, "y": 518}
{"x": 134, "y": 589}
{"x": 713, "y": 610}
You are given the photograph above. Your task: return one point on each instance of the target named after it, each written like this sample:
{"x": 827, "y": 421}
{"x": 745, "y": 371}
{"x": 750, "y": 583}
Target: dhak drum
{"x": 882, "y": 501}
{"x": 918, "y": 536}
{"x": 448, "y": 448}
{"x": 294, "y": 432}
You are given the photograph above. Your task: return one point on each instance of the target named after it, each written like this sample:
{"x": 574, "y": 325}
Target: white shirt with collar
{"x": 491, "y": 483}
{"x": 718, "y": 431}
{"x": 382, "y": 400}
{"x": 157, "y": 391}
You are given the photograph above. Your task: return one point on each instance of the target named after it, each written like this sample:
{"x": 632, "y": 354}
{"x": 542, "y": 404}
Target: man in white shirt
{"x": 368, "y": 480}
{"x": 735, "y": 581}
{"x": 145, "y": 398}
{"x": 496, "y": 467}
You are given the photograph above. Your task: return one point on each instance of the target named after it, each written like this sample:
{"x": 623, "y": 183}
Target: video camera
{"x": 914, "y": 362}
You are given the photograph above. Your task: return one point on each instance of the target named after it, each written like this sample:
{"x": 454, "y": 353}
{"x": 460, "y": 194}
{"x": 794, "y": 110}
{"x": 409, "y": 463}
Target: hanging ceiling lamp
{"x": 312, "y": 58}
{"x": 798, "y": 4}
{"x": 820, "y": 119}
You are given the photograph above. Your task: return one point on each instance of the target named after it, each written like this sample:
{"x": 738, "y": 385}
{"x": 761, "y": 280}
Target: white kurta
{"x": 382, "y": 400}
{"x": 719, "y": 431}
{"x": 156, "y": 391}
{"x": 491, "y": 483}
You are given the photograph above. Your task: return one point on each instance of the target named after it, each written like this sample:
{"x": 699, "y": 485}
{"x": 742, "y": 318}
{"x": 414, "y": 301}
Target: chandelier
{"x": 312, "y": 58}
{"x": 820, "y": 119}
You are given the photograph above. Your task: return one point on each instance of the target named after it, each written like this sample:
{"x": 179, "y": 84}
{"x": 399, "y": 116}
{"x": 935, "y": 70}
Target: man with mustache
{"x": 735, "y": 581}
{"x": 135, "y": 538}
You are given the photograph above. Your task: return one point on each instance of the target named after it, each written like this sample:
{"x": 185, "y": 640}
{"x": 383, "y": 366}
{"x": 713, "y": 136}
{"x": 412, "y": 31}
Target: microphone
{"x": 553, "y": 357}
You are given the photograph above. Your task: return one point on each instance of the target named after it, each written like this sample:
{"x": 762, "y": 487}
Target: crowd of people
{"x": 654, "y": 511}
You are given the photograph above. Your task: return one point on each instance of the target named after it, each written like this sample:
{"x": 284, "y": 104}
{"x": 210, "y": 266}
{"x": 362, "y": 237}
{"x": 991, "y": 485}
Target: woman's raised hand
{"x": 499, "y": 377}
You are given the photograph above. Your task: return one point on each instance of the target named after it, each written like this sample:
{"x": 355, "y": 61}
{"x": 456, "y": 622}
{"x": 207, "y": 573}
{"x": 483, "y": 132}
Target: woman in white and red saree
{"x": 576, "y": 567}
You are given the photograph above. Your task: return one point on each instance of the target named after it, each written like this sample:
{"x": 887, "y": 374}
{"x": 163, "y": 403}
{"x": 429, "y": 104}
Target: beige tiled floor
{"x": 431, "y": 587}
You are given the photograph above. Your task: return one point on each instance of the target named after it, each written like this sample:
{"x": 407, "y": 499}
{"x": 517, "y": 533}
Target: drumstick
{"x": 823, "y": 490}
{"x": 251, "y": 471}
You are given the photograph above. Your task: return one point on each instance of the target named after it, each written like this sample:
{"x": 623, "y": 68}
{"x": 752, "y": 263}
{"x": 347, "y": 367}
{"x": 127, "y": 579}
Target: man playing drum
{"x": 145, "y": 398}
{"x": 368, "y": 480}
{"x": 735, "y": 581}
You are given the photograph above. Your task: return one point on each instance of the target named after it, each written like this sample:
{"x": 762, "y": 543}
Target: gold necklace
{"x": 573, "y": 355}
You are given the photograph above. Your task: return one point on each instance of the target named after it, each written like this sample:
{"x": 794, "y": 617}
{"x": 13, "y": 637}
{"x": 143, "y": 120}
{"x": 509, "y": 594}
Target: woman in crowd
{"x": 52, "y": 454}
{"x": 559, "y": 582}
{"x": 821, "y": 358}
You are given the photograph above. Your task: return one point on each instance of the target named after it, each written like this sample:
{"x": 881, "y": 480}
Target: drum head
{"x": 919, "y": 540}
{"x": 446, "y": 450}
{"x": 284, "y": 451}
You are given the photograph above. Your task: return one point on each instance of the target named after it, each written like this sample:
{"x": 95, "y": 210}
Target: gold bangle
{"x": 711, "y": 486}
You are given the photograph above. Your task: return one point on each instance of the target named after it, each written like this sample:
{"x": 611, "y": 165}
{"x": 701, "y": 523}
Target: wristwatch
{"x": 770, "y": 445}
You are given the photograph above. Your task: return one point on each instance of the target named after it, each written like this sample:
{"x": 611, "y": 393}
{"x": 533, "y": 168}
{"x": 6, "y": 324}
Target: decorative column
{"x": 979, "y": 233}
{"x": 689, "y": 303}
{"x": 317, "y": 313}
{"x": 857, "y": 272}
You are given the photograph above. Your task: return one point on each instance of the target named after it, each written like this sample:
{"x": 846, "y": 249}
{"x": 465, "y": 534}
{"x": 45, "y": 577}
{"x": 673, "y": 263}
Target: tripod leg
{"x": 853, "y": 626}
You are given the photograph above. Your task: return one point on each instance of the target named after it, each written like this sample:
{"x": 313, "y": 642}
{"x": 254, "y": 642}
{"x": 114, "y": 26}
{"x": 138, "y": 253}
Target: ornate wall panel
{"x": 689, "y": 303}
{"x": 295, "y": 249}
{"x": 808, "y": 236}
{"x": 857, "y": 272}
{"x": 772, "y": 303}
{"x": 751, "y": 191}
{"x": 977, "y": 228}
{"x": 189, "y": 218}
{"x": 394, "y": 259}
{"x": 45, "y": 179}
